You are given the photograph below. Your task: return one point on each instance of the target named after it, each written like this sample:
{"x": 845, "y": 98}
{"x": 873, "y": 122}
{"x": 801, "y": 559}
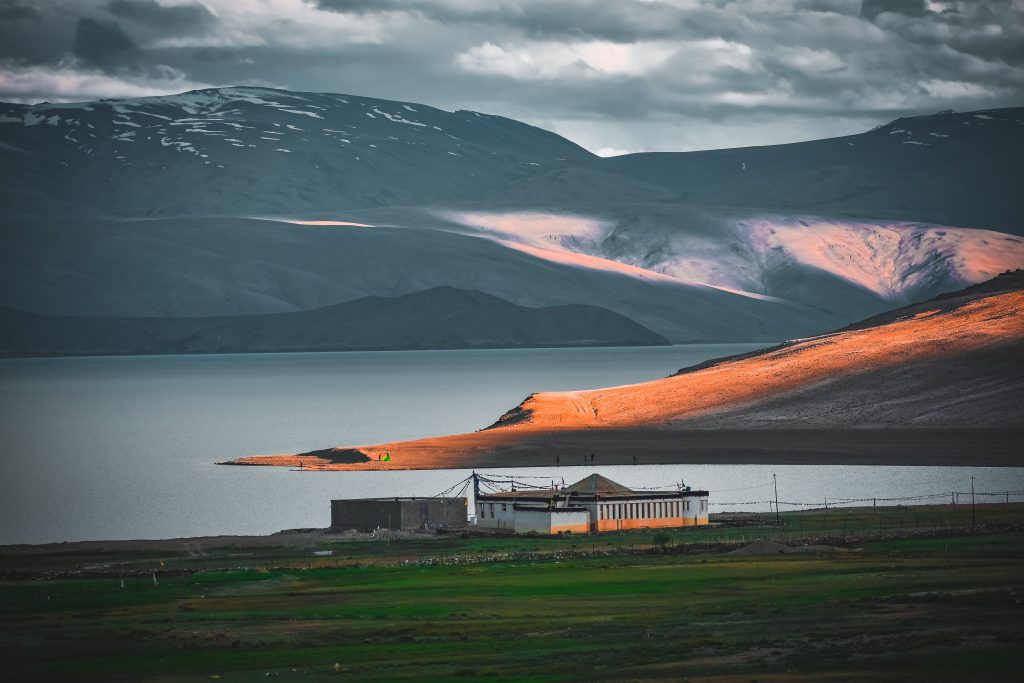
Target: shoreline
{"x": 953, "y": 447}
{"x": 196, "y": 547}
{"x": 938, "y": 383}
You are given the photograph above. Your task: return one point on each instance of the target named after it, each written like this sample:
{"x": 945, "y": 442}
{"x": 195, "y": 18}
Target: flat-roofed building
{"x": 406, "y": 514}
{"x": 595, "y": 503}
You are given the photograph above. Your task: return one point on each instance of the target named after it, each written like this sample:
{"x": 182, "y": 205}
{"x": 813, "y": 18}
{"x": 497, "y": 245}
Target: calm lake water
{"x": 116, "y": 448}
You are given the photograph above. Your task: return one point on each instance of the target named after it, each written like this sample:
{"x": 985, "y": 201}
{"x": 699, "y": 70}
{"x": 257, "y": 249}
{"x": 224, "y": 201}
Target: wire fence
{"x": 951, "y": 497}
{"x": 495, "y": 483}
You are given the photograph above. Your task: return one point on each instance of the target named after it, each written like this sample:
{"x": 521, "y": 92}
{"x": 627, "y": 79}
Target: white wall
{"x": 492, "y": 516}
{"x": 540, "y": 521}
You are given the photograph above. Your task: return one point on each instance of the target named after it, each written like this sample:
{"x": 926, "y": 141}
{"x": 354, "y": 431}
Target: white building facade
{"x": 590, "y": 505}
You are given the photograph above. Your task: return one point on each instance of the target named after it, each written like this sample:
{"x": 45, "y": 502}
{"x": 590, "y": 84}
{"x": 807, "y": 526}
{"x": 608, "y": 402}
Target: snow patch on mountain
{"x": 536, "y": 228}
{"x": 397, "y": 118}
{"x": 568, "y": 258}
{"x": 573, "y": 240}
{"x": 892, "y": 260}
{"x": 760, "y": 256}
{"x": 299, "y": 221}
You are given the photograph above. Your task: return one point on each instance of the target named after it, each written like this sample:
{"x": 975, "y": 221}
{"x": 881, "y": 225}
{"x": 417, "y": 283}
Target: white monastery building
{"x": 590, "y": 505}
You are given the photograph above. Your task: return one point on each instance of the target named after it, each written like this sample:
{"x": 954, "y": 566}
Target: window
{"x": 703, "y": 506}
{"x": 686, "y": 506}
{"x": 504, "y": 507}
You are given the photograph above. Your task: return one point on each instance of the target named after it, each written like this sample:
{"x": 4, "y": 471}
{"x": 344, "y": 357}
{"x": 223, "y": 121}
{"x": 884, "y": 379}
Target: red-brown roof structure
{"x": 596, "y": 484}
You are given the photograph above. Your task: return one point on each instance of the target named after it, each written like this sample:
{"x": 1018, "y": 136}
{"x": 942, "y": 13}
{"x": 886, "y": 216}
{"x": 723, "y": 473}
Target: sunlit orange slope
{"x": 952, "y": 363}
{"x": 928, "y": 335}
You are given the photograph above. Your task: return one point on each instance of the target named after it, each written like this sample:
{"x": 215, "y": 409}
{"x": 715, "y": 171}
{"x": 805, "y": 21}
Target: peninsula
{"x": 917, "y": 385}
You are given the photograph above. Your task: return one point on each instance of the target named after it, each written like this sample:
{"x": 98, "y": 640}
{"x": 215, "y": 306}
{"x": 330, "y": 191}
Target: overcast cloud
{"x": 629, "y": 75}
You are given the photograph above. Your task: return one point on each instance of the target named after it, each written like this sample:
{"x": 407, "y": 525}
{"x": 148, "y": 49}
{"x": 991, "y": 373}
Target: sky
{"x": 612, "y": 75}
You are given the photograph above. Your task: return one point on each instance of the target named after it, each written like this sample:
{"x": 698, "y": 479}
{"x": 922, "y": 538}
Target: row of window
{"x": 668, "y": 508}
{"x": 489, "y": 507}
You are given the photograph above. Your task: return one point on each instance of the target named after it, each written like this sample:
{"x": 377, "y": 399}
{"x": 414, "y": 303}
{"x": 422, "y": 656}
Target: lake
{"x": 123, "y": 447}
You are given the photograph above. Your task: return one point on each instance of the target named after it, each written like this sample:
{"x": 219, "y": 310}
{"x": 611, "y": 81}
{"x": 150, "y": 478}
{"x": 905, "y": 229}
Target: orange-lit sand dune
{"x": 952, "y": 364}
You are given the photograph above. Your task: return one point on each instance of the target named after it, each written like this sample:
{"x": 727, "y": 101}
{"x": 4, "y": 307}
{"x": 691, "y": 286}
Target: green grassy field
{"x": 944, "y": 607}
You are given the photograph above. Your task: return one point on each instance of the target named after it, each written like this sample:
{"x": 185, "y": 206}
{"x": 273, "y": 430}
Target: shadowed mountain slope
{"x": 441, "y": 318}
{"x": 258, "y": 151}
{"x": 231, "y": 266}
{"x": 261, "y": 151}
{"x": 948, "y": 168}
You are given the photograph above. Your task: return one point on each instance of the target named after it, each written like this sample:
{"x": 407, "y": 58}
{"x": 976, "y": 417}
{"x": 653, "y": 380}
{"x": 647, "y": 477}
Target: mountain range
{"x": 252, "y": 201}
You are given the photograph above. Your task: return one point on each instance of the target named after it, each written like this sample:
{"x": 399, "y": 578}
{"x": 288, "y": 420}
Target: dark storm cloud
{"x": 73, "y": 50}
{"x": 630, "y": 74}
{"x": 911, "y": 8}
{"x": 581, "y": 18}
{"x": 33, "y": 33}
{"x": 102, "y": 43}
{"x": 171, "y": 20}
{"x": 14, "y": 11}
